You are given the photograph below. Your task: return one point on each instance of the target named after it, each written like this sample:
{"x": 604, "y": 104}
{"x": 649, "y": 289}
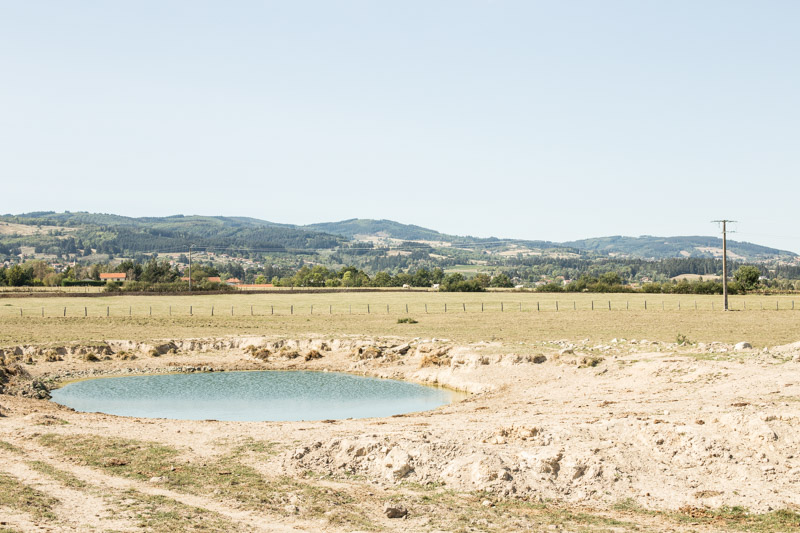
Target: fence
{"x": 416, "y": 307}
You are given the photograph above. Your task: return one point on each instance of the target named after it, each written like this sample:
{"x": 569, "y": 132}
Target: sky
{"x": 553, "y": 120}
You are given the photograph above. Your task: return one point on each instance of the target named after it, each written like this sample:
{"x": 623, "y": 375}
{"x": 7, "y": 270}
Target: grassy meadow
{"x": 463, "y": 317}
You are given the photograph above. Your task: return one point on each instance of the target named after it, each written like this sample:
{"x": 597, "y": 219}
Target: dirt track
{"x": 556, "y": 428}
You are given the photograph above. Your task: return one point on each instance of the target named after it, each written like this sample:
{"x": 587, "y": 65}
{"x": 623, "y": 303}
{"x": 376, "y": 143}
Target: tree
{"x": 17, "y": 276}
{"x": 747, "y": 277}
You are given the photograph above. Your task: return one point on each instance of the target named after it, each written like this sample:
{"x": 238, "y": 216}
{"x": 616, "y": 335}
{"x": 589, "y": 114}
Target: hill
{"x": 81, "y": 233}
{"x": 649, "y": 247}
{"x": 67, "y": 232}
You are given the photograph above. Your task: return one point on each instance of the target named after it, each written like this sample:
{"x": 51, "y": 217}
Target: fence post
{"x": 367, "y": 308}
{"x": 190, "y": 310}
{"x": 445, "y": 308}
{"x": 426, "y": 308}
{"x": 330, "y": 309}
{"x": 537, "y": 306}
{"x": 695, "y": 305}
{"x": 627, "y": 305}
{"x": 464, "y": 307}
{"x": 20, "y": 311}
{"x": 744, "y": 304}
{"x": 679, "y": 305}
{"x": 231, "y": 310}
{"x": 406, "y": 308}
{"x": 272, "y": 309}
{"x": 609, "y": 305}
{"x": 151, "y": 311}
{"x": 108, "y": 311}
{"x": 291, "y": 309}
{"x": 387, "y": 309}
{"x": 251, "y": 310}
{"x": 65, "y": 311}
{"x": 501, "y": 307}
{"x": 482, "y": 307}
{"x": 170, "y": 310}
{"x": 85, "y": 312}
{"x": 792, "y": 305}
{"x": 645, "y": 305}
{"x": 312, "y": 309}
{"x": 574, "y": 305}
{"x": 42, "y": 311}
{"x": 130, "y": 310}
{"x": 556, "y": 305}
{"x": 592, "y": 305}
{"x": 212, "y": 310}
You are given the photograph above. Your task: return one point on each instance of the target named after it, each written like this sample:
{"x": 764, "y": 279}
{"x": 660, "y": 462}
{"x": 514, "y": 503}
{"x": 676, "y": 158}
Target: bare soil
{"x": 567, "y": 435}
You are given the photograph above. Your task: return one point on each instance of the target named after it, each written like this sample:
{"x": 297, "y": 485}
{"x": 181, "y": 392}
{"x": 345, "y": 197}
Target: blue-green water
{"x": 251, "y": 396}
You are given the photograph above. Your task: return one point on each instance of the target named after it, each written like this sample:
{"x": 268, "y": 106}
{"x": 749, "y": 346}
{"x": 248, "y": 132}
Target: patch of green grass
{"x": 226, "y": 477}
{"x": 7, "y": 446}
{"x": 741, "y": 519}
{"x": 162, "y": 514}
{"x": 65, "y": 478}
{"x": 407, "y": 320}
{"x": 19, "y": 496}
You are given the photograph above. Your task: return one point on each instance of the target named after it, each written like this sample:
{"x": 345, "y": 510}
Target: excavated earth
{"x": 660, "y": 426}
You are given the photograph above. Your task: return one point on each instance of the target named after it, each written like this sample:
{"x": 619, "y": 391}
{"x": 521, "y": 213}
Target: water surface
{"x": 252, "y": 396}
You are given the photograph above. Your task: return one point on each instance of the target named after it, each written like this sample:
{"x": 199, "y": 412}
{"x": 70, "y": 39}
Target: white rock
{"x": 741, "y": 346}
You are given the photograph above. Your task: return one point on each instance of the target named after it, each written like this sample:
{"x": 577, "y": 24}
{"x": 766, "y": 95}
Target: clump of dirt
{"x": 364, "y": 353}
{"x": 259, "y": 352}
{"x": 52, "y": 357}
{"x": 440, "y": 357}
{"x": 313, "y": 354}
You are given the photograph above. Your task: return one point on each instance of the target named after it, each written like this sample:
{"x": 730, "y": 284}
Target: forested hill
{"x": 361, "y": 228}
{"x": 649, "y": 247}
{"x": 64, "y": 232}
{"x": 80, "y": 233}
{"x": 382, "y": 228}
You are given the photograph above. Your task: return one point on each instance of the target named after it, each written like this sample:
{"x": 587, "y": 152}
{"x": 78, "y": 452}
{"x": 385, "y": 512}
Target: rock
{"x": 486, "y": 503}
{"x": 566, "y": 351}
{"x": 395, "y": 510}
{"x": 157, "y": 479}
{"x": 741, "y": 346}
{"x": 398, "y": 464}
{"x": 539, "y": 359}
{"x": 291, "y": 509}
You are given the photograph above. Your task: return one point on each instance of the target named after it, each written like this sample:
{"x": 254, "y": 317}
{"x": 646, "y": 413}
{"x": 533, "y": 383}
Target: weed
{"x": 407, "y": 320}
{"x": 17, "y": 495}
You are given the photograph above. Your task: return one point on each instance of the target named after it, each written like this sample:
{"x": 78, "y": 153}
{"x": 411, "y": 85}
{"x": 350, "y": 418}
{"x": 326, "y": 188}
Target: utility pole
{"x": 190, "y": 266}
{"x": 724, "y": 261}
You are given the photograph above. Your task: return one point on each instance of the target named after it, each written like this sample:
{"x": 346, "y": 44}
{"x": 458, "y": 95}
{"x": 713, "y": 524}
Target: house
{"x": 215, "y": 279}
{"x": 233, "y": 281}
{"x": 113, "y": 276}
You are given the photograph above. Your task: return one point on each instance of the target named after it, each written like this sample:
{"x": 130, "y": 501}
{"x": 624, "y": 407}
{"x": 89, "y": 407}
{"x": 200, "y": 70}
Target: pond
{"x": 252, "y": 396}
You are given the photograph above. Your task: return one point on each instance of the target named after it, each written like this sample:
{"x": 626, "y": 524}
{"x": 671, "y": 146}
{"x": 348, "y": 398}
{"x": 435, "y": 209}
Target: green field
{"x": 464, "y": 317}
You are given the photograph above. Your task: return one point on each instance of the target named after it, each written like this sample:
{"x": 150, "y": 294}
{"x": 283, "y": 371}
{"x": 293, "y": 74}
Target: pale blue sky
{"x": 545, "y": 120}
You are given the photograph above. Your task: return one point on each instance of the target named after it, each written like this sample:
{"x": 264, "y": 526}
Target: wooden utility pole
{"x": 724, "y": 261}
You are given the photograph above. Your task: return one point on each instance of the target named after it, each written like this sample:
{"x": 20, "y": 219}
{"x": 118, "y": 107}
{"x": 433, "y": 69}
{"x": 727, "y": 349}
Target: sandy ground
{"x": 631, "y": 435}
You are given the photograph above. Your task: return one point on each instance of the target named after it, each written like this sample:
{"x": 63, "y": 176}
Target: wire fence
{"x": 288, "y": 309}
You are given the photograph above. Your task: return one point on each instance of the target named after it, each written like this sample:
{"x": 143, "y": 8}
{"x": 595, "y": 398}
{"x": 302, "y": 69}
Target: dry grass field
{"x": 462, "y": 317}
